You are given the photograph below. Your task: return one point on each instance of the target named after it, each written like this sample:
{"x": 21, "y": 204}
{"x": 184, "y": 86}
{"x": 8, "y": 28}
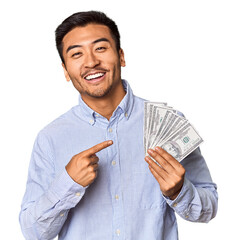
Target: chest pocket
{"x": 145, "y": 191}
{"x": 141, "y": 189}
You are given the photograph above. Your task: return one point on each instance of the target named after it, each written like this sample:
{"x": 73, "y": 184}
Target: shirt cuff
{"x": 63, "y": 188}
{"x": 181, "y": 203}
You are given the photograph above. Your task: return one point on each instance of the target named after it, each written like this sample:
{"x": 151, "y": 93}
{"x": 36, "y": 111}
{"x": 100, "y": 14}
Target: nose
{"x": 91, "y": 60}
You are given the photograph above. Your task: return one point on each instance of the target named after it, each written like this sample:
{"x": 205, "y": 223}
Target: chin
{"x": 99, "y": 93}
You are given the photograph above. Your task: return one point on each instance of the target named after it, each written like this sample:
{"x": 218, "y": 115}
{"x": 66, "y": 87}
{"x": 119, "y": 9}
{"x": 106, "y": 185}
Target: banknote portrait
{"x": 172, "y": 148}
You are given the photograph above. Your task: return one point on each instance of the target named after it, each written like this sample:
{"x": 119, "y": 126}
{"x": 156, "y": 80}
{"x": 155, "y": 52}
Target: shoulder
{"x": 60, "y": 124}
{"x": 138, "y": 101}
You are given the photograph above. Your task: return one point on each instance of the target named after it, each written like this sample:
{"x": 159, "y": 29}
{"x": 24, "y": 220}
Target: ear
{"x": 122, "y": 59}
{"x": 66, "y": 73}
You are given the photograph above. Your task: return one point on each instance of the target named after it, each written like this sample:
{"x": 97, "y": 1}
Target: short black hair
{"x": 81, "y": 19}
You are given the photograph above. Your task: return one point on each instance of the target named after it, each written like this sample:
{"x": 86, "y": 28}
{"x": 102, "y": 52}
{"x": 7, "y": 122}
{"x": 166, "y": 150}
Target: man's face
{"x": 92, "y": 61}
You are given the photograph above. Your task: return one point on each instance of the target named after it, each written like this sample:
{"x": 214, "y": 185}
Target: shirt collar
{"x": 127, "y": 102}
{"x": 125, "y": 106}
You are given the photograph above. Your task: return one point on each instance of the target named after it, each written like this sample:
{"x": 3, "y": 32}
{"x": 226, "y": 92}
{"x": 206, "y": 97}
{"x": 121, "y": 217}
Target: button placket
{"x": 115, "y": 187}
{"x": 118, "y": 232}
{"x": 175, "y": 204}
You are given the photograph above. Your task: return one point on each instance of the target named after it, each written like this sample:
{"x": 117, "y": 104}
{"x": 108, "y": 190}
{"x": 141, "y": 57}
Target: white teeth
{"x": 94, "y": 76}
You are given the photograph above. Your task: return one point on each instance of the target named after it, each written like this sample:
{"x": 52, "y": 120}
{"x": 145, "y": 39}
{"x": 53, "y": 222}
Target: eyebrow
{"x": 94, "y": 42}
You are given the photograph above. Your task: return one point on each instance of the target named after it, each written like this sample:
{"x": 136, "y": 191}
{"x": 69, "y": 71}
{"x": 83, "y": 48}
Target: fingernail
{"x": 150, "y": 151}
{"x": 110, "y": 142}
{"x": 147, "y": 159}
{"x": 158, "y": 149}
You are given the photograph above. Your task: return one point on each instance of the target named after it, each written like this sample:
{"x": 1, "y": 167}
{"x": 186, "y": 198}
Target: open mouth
{"x": 95, "y": 76}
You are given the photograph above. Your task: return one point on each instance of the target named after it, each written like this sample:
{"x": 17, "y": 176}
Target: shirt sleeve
{"x": 198, "y": 199}
{"x": 48, "y": 198}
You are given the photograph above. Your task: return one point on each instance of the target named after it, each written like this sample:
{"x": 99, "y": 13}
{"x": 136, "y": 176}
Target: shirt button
{"x": 78, "y": 194}
{"x": 116, "y": 197}
{"x": 62, "y": 214}
{"x": 113, "y": 162}
{"x": 175, "y": 204}
{"x": 110, "y": 130}
{"x": 187, "y": 216}
{"x": 118, "y": 232}
{"x": 91, "y": 121}
{"x": 126, "y": 115}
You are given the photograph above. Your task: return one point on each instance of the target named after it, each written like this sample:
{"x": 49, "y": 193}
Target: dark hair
{"x": 81, "y": 19}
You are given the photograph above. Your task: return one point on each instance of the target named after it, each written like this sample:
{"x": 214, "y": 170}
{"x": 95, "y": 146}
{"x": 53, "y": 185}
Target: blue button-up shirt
{"x": 124, "y": 201}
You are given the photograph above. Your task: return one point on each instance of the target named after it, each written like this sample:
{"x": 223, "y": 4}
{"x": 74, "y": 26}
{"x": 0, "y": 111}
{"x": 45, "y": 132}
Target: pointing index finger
{"x": 98, "y": 147}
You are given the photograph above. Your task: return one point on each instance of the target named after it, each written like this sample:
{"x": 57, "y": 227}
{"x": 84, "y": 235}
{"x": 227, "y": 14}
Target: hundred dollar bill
{"x": 154, "y": 124}
{"x": 150, "y": 116}
{"x": 165, "y": 127}
{"x": 164, "y": 113}
{"x": 182, "y": 142}
{"x": 175, "y": 122}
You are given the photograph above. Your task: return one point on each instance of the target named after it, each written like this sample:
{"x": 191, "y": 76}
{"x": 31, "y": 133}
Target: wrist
{"x": 175, "y": 195}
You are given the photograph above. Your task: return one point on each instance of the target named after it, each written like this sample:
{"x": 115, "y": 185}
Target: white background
{"x": 181, "y": 52}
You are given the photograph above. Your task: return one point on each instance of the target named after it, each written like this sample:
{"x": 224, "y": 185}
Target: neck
{"x": 106, "y": 105}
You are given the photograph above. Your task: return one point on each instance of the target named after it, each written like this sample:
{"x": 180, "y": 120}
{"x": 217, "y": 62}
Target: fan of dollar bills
{"x": 166, "y": 128}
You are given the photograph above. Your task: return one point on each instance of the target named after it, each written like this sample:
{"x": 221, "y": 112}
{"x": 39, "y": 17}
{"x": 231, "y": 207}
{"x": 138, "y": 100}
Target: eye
{"x": 101, "y": 49}
{"x": 76, "y": 54}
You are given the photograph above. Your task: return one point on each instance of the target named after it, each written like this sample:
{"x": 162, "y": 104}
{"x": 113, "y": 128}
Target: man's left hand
{"x": 170, "y": 173}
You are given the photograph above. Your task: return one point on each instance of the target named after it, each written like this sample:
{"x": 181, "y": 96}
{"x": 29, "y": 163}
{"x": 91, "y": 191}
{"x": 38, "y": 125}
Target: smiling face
{"x": 92, "y": 61}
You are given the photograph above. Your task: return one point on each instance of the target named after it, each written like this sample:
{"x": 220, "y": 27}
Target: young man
{"x": 87, "y": 177}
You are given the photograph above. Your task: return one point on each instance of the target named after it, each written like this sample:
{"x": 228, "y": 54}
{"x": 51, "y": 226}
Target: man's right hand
{"x": 82, "y": 168}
